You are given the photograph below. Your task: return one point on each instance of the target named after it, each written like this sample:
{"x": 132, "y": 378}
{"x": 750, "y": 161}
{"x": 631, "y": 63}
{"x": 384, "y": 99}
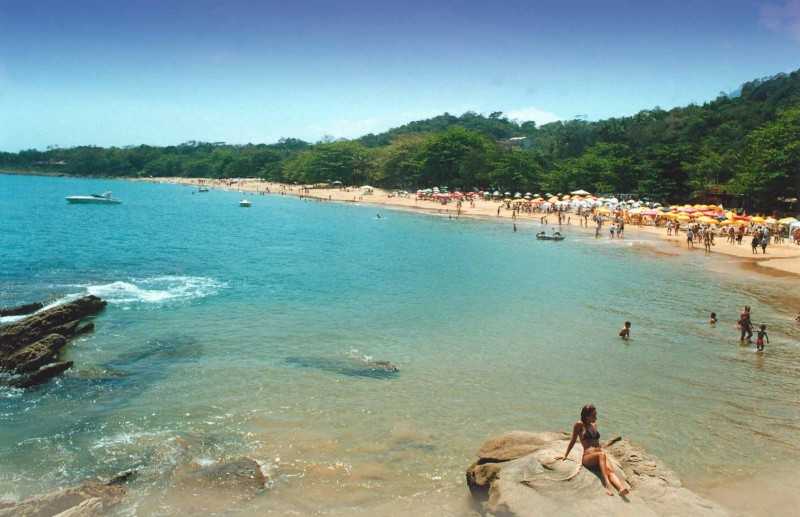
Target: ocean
{"x": 237, "y": 332}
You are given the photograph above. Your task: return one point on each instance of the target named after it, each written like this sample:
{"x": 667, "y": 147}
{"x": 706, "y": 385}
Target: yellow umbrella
{"x": 757, "y": 219}
{"x": 726, "y": 222}
{"x": 696, "y": 214}
{"x": 684, "y": 218}
{"x": 708, "y": 220}
{"x": 671, "y": 215}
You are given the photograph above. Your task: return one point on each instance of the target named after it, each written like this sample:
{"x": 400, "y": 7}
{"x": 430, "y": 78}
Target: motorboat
{"x": 542, "y": 236}
{"x": 245, "y": 203}
{"x": 94, "y": 199}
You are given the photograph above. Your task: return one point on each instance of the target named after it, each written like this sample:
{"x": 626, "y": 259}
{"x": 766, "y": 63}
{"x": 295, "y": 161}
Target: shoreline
{"x": 782, "y": 260}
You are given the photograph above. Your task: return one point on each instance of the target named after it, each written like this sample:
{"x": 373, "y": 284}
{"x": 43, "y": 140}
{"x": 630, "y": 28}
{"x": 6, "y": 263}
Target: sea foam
{"x": 156, "y": 290}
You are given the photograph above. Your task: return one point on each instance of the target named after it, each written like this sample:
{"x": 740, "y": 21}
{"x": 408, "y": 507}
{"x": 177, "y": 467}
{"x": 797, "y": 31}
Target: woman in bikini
{"x": 593, "y": 454}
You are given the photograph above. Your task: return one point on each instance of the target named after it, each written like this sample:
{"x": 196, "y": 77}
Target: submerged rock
{"x": 350, "y": 366}
{"x": 88, "y": 500}
{"x": 21, "y": 310}
{"x": 518, "y": 474}
{"x": 42, "y": 375}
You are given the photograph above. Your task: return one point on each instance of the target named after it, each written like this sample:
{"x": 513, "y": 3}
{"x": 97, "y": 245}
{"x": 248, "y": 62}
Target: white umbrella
{"x": 580, "y": 192}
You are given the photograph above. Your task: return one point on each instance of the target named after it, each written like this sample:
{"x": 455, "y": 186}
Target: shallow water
{"x": 242, "y": 331}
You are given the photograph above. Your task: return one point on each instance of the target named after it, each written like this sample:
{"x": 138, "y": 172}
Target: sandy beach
{"x": 780, "y": 260}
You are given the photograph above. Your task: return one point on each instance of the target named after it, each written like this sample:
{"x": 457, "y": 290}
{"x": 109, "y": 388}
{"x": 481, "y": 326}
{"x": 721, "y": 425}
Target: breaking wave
{"x": 157, "y": 290}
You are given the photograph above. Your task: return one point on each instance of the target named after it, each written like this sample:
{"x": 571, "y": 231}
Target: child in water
{"x": 761, "y": 336}
{"x": 625, "y": 333}
{"x": 713, "y": 320}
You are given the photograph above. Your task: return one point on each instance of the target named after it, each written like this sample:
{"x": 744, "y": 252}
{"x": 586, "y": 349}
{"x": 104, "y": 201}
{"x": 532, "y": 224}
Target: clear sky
{"x": 122, "y": 72}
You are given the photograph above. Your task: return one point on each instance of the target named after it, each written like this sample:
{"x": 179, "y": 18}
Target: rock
{"x": 36, "y": 355}
{"x": 350, "y": 366}
{"x": 518, "y": 474}
{"x": 42, "y": 375}
{"x": 240, "y": 473}
{"x": 21, "y": 310}
{"x": 20, "y": 334}
{"x": 88, "y": 500}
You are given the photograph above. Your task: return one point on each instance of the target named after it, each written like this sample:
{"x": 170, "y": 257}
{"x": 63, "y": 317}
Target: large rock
{"x": 19, "y": 334}
{"x": 518, "y": 474}
{"x": 34, "y": 356}
{"x": 20, "y": 310}
{"x": 88, "y": 500}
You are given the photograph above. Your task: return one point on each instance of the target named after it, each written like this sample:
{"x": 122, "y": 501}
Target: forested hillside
{"x": 748, "y": 144}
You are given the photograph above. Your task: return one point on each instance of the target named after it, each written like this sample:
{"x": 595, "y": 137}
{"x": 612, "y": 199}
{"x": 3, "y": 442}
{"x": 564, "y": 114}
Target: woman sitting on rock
{"x": 593, "y": 455}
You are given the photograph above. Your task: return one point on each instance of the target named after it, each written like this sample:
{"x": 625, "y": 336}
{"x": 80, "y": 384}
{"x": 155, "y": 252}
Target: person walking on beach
{"x": 764, "y": 242}
{"x": 760, "y": 337}
{"x": 745, "y": 325}
{"x": 593, "y": 455}
{"x": 707, "y": 240}
{"x": 625, "y": 333}
{"x": 755, "y": 242}
{"x": 689, "y": 238}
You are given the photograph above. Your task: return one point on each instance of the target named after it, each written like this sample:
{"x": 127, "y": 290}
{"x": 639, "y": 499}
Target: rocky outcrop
{"x": 36, "y": 326}
{"x": 29, "y": 348}
{"x": 518, "y": 473}
{"x": 20, "y": 310}
{"x": 88, "y": 500}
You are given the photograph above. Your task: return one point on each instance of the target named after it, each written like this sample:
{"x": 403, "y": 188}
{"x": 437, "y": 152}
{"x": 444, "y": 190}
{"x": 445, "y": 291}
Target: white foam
{"x": 160, "y": 289}
{"x": 156, "y": 290}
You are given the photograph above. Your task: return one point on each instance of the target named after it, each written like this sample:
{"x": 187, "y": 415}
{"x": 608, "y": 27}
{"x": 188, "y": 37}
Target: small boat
{"x": 94, "y": 199}
{"x": 542, "y": 236}
{"x": 202, "y": 189}
{"x": 245, "y": 203}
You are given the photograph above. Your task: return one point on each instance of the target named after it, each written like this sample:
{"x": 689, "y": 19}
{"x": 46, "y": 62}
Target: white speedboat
{"x": 94, "y": 199}
{"x": 245, "y": 203}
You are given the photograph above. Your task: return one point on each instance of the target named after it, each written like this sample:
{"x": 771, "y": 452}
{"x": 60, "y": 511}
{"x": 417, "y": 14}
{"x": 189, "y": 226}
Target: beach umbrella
{"x": 580, "y": 192}
{"x": 770, "y": 220}
{"x": 651, "y": 213}
{"x": 757, "y": 219}
{"x": 517, "y": 195}
{"x": 707, "y": 220}
{"x": 787, "y": 220}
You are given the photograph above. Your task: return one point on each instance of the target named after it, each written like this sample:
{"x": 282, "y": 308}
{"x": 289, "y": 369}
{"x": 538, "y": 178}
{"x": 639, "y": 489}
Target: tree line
{"x": 746, "y": 143}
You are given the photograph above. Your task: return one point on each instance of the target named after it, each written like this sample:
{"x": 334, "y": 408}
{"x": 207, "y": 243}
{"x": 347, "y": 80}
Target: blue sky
{"x": 161, "y": 72}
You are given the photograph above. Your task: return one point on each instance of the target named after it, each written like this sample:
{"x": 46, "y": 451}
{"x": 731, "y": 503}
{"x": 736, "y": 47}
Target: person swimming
{"x": 593, "y": 455}
{"x": 625, "y": 333}
{"x": 713, "y": 319}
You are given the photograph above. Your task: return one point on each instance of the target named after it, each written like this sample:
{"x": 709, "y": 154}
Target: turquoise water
{"x": 233, "y": 332}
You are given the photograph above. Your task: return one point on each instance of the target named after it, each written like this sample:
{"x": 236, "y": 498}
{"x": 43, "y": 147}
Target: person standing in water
{"x": 625, "y": 333}
{"x": 593, "y": 454}
{"x": 745, "y": 325}
{"x": 760, "y": 337}
{"x": 713, "y": 319}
